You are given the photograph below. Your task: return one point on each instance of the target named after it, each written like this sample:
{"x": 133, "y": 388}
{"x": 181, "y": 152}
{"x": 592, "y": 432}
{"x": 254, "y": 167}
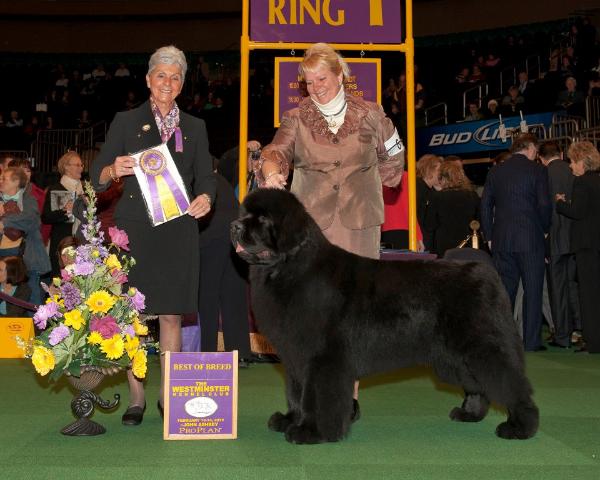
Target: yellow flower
{"x": 95, "y": 253}
{"x": 94, "y": 338}
{"x": 139, "y": 328}
{"x": 74, "y": 319}
{"x": 112, "y": 262}
{"x": 42, "y": 359}
{"x": 56, "y": 299}
{"x": 138, "y": 365}
{"x": 132, "y": 344}
{"x": 113, "y": 347}
{"x": 100, "y": 301}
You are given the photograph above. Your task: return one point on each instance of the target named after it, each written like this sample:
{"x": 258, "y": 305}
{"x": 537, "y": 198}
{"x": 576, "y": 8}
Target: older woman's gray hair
{"x": 169, "y": 55}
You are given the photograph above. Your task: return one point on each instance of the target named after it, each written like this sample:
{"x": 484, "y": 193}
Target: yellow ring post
{"x": 410, "y": 129}
{"x": 244, "y": 80}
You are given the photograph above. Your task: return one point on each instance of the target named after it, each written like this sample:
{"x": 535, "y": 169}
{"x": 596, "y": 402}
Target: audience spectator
{"x": 428, "y": 167}
{"x": 122, "y": 71}
{"x": 571, "y": 99}
{"x": 492, "y": 109}
{"x": 560, "y": 266}
{"x": 452, "y": 209}
{"x": 584, "y": 209}
{"x": 15, "y": 120}
{"x": 477, "y": 75}
{"x": 474, "y": 113}
{"x": 13, "y": 282}
{"x": 518, "y": 189}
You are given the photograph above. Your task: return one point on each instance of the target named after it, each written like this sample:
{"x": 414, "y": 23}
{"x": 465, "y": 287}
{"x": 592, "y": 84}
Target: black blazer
{"x": 560, "y": 180}
{"x": 23, "y": 292}
{"x": 135, "y": 130}
{"x": 515, "y": 206}
{"x": 584, "y": 209}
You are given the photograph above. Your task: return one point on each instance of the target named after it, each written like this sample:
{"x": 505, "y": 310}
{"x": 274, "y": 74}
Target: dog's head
{"x": 273, "y": 225}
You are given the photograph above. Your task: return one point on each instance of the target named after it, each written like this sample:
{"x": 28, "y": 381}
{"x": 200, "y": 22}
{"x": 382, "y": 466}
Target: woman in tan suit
{"x": 342, "y": 149}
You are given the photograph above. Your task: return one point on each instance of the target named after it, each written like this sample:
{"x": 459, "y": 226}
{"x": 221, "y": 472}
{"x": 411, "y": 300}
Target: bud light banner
{"x": 333, "y": 21}
{"x": 364, "y": 82}
{"x": 471, "y": 137}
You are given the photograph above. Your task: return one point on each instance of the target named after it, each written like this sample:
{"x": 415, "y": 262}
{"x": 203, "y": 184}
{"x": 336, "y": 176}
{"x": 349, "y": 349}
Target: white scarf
{"x": 334, "y": 111}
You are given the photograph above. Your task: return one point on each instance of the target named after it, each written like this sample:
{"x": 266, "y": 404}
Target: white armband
{"x": 393, "y": 145}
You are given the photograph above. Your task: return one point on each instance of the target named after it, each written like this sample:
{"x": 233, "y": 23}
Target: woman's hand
{"x": 123, "y": 166}
{"x": 68, "y": 208}
{"x": 1, "y": 209}
{"x": 200, "y": 206}
{"x": 560, "y": 197}
{"x": 275, "y": 180}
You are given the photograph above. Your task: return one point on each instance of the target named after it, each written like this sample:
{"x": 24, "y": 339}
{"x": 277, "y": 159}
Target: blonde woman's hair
{"x": 169, "y": 55}
{"x": 322, "y": 55}
{"x": 427, "y": 164}
{"x": 65, "y": 159}
{"x": 585, "y": 152}
{"x": 452, "y": 175}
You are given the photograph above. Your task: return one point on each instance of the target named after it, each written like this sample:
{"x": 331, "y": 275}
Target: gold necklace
{"x": 331, "y": 123}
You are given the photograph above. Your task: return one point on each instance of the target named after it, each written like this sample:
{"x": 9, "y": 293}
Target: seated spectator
{"x": 492, "y": 61}
{"x": 428, "y": 168}
{"x": 84, "y": 120}
{"x": 474, "y": 113}
{"x": 594, "y": 86}
{"x": 13, "y": 282}
{"x": 451, "y": 209}
{"x": 492, "y": 109}
{"x": 477, "y": 75}
{"x": 513, "y": 102}
{"x": 15, "y": 121}
{"x": 571, "y": 99}
{"x": 27, "y": 220}
{"x": 463, "y": 76}
{"x": 122, "y": 71}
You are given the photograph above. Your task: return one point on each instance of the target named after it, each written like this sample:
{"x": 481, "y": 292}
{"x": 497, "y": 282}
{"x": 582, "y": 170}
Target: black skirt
{"x": 167, "y": 263}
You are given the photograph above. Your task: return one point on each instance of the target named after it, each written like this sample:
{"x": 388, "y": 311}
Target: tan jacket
{"x": 340, "y": 172}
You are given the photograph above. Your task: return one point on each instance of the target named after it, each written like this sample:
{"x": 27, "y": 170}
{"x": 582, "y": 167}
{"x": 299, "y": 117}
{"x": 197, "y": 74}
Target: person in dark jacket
{"x": 560, "y": 267}
{"x": 584, "y": 209}
{"x": 515, "y": 214}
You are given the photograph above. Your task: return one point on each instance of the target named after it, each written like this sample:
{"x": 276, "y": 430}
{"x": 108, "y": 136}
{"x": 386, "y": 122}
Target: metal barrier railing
{"x": 506, "y": 75}
{"x": 50, "y": 145}
{"x": 475, "y": 93}
{"x": 592, "y": 111}
{"x": 533, "y": 66}
{"x": 591, "y": 135}
{"x": 436, "y": 113}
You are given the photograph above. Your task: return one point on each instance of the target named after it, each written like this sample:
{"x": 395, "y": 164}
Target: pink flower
{"x": 119, "y": 238}
{"x": 119, "y": 276}
{"x": 65, "y": 275}
{"x": 105, "y": 326}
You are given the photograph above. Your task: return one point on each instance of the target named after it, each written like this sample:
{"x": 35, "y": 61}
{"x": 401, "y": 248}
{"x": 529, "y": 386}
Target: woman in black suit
{"x": 62, "y": 220}
{"x": 167, "y": 268}
{"x": 451, "y": 209}
{"x": 584, "y": 209}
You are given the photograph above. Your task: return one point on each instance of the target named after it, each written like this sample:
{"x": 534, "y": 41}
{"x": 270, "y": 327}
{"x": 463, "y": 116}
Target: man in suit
{"x": 515, "y": 215}
{"x": 561, "y": 260}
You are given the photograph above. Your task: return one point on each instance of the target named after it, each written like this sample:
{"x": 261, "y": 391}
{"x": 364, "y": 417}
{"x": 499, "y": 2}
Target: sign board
{"x": 478, "y": 136}
{"x": 364, "y": 82}
{"x": 10, "y": 328}
{"x": 200, "y": 400}
{"x": 331, "y": 21}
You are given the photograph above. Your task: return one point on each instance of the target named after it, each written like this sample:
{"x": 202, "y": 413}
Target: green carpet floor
{"x": 404, "y": 432}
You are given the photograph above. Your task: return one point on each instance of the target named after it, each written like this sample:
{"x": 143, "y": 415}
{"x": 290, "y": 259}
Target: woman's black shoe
{"x": 133, "y": 415}
{"x": 355, "y": 411}
{"x": 161, "y": 410}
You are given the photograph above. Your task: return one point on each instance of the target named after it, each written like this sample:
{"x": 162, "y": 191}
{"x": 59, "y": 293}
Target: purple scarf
{"x": 168, "y": 125}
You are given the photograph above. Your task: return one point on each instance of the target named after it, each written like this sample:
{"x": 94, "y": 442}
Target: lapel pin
{"x": 146, "y": 128}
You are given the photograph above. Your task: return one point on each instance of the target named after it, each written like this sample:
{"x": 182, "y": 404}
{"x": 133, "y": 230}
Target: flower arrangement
{"x": 89, "y": 320}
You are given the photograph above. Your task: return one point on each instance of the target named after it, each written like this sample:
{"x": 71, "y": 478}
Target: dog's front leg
{"x": 326, "y": 402}
{"x": 279, "y": 422}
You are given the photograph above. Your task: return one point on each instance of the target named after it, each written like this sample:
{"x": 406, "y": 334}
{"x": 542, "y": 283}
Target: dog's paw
{"x": 302, "y": 434}
{"x": 461, "y": 415}
{"x": 279, "y": 422}
{"x": 512, "y": 432}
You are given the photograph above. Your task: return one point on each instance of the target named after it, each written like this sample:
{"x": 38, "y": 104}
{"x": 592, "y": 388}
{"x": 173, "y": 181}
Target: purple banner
{"x": 201, "y": 396}
{"x": 333, "y": 21}
{"x": 364, "y": 82}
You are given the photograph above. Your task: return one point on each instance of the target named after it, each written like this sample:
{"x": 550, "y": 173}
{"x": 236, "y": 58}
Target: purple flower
{"x": 84, "y": 268}
{"x": 105, "y": 326}
{"x": 45, "y": 312}
{"x": 58, "y": 334}
{"x": 119, "y": 238}
{"x": 129, "y": 330}
{"x": 138, "y": 300}
{"x": 71, "y": 295}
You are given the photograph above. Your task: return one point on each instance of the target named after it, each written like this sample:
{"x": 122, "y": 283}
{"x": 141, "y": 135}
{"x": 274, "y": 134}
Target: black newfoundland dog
{"x": 335, "y": 317}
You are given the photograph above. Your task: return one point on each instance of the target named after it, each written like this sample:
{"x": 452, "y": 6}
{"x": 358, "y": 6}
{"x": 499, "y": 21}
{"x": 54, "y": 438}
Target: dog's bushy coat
{"x": 335, "y": 317}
